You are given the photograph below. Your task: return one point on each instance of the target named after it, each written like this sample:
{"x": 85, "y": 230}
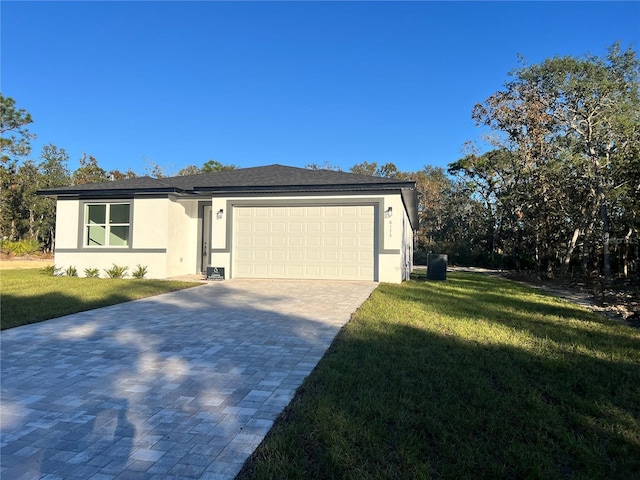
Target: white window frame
{"x": 107, "y": 225}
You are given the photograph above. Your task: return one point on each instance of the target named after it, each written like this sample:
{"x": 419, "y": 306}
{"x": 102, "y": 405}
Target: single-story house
{"x": 263, "y": 222}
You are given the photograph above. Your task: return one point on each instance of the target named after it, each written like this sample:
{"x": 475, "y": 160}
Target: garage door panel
{"x": 350, "y": 271}
{"x": 367, "y": 228}
{"x": 331, "y": 256}
{"x": 331, "y": 227}
{"x": 314, "y": 212}
{"x": 350, "y": 256}
{"x": 243, "y": 241}
{"x": 331, "y": 271}
{"x": 295, "y": 241}
{"x": 296, "y": 256}
{"x": 350, "y": 211}
{"x": 331, "y": 241}
{"x": 294, "y": 271}
{"x": 278, "y": 256}
{"x": 313, "y": 271}
{"x": 260, "y": 240}
{"x": 279, "y": 241}
{"x": 312, "y": 255}
{"x": 311, "y": 242}
{"x": 244, "y": 255}
{"x": 368, "y": 272}
{"x": 365, "y": 242}
{"x": 278, "y": 270}
{"x": 243, "y": 228}
{"x": 304, "y": 242}
{"x": 313, "y": 227}
{"x": 243, "y": 270}
{"x": 261, "y": 227}
{"x": 349, "y": 242}
{"x": 332, "y": 211}
{"x": 261, "y": 269}
{"x": 349, "y": 228}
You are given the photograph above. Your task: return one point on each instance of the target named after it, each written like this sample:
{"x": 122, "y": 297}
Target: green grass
{"x": 472, "y": 378}
{"x": 29, "y": 296}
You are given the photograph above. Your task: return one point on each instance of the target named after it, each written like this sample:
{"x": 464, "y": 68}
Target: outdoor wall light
{"x": 219, "y": 214}
{"x": 388, "y": 212}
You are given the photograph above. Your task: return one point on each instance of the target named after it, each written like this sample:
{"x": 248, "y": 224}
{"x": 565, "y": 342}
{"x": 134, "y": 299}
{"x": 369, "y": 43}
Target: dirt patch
{"x": 8, "y": 262}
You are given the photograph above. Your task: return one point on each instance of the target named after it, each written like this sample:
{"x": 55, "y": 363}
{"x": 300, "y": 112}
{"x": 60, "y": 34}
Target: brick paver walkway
{"x": 182, "y": 385}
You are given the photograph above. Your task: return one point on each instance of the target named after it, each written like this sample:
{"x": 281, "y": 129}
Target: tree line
{"x": 561, "y": 189}
{"x": 558, "y": 192}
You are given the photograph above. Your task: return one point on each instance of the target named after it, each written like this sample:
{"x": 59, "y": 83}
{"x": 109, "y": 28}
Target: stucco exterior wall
{"x": 182, "y": 237}
{"x": 407, "y": 252}
{"x": 67, "y": 223}
{"x": 390, "y": 259}
{"x": 149, "y": 225}
{"x": 80, "y": 260}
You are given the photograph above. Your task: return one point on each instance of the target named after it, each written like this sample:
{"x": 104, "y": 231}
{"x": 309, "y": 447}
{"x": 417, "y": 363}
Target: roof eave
{"x": 109, "y": 192}
{"x": 303, "y": 188}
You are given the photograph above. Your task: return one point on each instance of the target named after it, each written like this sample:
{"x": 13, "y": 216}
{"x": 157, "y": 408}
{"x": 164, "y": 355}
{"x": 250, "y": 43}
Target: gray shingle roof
{"x": 129, "y": 185}
{"x": 266, "y": 178}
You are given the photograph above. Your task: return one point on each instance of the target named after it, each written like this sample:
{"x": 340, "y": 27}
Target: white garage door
{"x": 333, "y": 242}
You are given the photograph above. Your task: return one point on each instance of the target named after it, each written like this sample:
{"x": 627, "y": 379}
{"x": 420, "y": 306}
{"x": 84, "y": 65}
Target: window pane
{"x": 119, "y": 213}
{"x": 95, "y": 236}
{"x": 119, "y": 236}
{"x": 97, "y": 214}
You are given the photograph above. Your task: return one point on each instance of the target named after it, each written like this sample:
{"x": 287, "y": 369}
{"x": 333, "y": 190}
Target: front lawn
{"x": 471, "y": 378}
{"x": 29, "y": 296}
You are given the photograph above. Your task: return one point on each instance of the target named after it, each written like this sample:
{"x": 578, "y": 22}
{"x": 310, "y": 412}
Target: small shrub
{"x": 116, "y": 271}
{"x": 140, "y": 271}
{"x": 21, "y": 247}
{"x": 71, "y": 271}
{"x": 91, "y": 273}
{"x": 52, "y": 271}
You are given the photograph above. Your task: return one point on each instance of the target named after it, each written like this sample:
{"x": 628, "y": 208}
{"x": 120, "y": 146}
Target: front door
{"x": 205, "y": 245}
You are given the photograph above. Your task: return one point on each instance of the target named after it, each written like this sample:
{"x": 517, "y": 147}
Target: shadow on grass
{"x": 400, "y": 398}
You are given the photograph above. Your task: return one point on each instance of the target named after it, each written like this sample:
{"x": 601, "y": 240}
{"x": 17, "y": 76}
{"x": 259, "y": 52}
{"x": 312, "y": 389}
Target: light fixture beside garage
{"x": 219, "y": 214}
{"x": 388, "y": 212}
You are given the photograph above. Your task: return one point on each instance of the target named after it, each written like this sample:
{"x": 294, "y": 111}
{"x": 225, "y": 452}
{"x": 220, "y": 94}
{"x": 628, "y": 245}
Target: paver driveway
{"x": 182, "y": 385}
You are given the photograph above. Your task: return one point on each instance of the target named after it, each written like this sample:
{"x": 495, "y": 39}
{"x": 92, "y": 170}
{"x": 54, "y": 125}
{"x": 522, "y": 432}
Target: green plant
{"x": 91, "y": 272}
{"x": 71, "y": 271}
{"x": 140, "y": 271}
{"x": 51, "y": 271}
{"x": 21, "y": 247}
{"x": 116, "y": 271}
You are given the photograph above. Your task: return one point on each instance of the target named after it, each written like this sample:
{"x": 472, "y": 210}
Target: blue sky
{"x": 244, "y": 83}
